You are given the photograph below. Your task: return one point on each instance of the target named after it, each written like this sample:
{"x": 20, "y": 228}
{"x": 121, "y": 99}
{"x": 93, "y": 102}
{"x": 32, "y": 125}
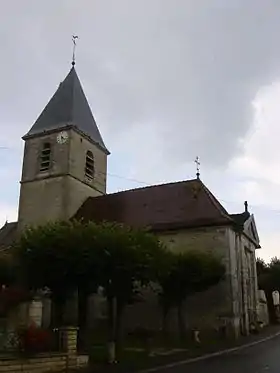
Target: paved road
{"x": 261, "y": 358}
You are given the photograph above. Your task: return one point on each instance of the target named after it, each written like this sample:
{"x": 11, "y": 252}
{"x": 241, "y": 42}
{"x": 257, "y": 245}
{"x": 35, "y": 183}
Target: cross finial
{"x": 74, "y": 37}
{"x": 197, "y": 167}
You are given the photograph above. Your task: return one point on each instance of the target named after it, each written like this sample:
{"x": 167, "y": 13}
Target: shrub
{"x": 35, "y": 340}
{"x": 11, "y": 297}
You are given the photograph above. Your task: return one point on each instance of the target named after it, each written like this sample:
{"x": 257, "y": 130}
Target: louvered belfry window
{"x": 89, "y": 168}
{"x": 45, "y": 159}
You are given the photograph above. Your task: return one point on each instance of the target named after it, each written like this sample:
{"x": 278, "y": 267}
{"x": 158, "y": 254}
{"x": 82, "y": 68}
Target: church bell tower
{"x": 65, "y": 158}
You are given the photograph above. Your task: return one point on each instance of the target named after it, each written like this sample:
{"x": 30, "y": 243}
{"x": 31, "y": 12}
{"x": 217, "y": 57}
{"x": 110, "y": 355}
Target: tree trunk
{"x": 57, "y": 312}
{"x": 83, "y": 302}
{"x": 110, "y": 309}
{"x": 111, "y": 329}
{"x": 118, "y": 328}
{"x": 165, "y": 312}
{"x": 181, "y": 322}
{"x": 82, "y": 316}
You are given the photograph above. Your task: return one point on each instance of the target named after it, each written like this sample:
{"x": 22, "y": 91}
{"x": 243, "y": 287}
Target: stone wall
{"x": 230, "y": 302}
{"x": 64, "y": 361}
{"x": 203, "y": 309}
{"x": 54, "y": 363}
{"x": 247, "y": 286}
{"x": 262, "y": 308}
{"x": 58, "y": 192}
{"x": 40, "y": 364}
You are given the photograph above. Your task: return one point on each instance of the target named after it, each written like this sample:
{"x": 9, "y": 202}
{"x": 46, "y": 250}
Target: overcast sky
{"x": 166, "y": 81}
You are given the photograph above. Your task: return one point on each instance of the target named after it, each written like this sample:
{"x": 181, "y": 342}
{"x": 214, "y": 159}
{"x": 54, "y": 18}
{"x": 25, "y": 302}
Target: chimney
{"x": 246, "y": 206}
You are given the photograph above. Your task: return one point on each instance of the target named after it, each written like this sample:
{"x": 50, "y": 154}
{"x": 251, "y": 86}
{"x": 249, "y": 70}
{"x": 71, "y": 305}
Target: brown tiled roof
{"x": 177, "y": 205}
{"x": 7, "y": 235}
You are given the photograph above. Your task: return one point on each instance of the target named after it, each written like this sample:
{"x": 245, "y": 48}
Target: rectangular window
{"x": 45, "y": 157}
{"x": 89, "y": 167}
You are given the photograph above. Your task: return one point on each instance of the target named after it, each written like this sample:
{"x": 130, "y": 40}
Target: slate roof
{"x": 161, "y": 207}
{"x": 8, "y": 234}
{"x": 240, "y": 218}
{"x": 68, "y": 107}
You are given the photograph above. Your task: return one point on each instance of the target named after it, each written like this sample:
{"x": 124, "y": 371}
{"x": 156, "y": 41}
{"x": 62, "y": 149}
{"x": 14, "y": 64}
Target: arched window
{"x": 89, "y": 168}
{"x": 45, "y": 158}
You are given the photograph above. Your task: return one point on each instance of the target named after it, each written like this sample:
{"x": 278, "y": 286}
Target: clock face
{"x": 62, "y": 137}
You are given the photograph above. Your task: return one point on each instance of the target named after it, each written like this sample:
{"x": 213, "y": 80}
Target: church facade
{"x": 64, "y": 175}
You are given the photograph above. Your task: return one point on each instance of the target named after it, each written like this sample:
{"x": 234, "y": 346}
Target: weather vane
{"x": 74, "y": 37}
{"x": 197, "y": 167}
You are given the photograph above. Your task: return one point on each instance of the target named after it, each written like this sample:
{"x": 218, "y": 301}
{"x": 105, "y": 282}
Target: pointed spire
{"x": 68, "y": 107}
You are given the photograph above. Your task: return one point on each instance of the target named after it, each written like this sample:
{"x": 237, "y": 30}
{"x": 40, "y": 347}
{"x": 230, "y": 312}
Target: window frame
{"x": 45, "y": 157}
{"x": 89, "y": 165}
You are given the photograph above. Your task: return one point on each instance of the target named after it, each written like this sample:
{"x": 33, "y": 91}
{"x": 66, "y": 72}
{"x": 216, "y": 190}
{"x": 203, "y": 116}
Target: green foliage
{"x": 7, "y": 271}
{"x": 66, "y": 256}
{"x": 129, "y": 258}
{"x": 272, "y": 274}
{"x": 187, "y": 273}
{"x": 269, "y": 280}
{"x": 268, "y": 274}
{"x": 10, "y": 297}
{"x": 63, "y": 256}
{"x": 261, "y": 266}
{"x": 48, "y": 256}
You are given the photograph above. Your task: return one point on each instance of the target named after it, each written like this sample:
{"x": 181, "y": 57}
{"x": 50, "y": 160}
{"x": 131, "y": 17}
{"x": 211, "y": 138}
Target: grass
{"x": 134, "y": 357}
{"x": 135, "y": 354}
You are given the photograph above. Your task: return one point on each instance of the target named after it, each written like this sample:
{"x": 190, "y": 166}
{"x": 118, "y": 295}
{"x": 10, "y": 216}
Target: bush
{"x": 11, "y": 297}
{"x": 35, "y": 340}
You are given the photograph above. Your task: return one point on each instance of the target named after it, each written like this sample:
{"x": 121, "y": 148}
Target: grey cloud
{"x": 190, "y": 67}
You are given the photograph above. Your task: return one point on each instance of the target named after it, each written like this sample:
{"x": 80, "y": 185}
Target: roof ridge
{"x": 218, "y": 206}
{"x": 72, "y": 71}
{"x": 147, "y": 187}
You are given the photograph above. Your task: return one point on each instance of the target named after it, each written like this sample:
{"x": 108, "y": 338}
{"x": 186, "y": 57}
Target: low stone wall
{"x": 65, "y": 361}
{"x": 40, "y": 364}
{"x": 54, "y": 363}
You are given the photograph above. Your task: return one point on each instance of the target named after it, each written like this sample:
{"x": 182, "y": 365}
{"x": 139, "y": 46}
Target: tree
{"x": 11, "y": 294}
{"x": 183, "y": 275}
{"x": 129, "y": 262}
{"x": 53, "y": 256}
{"x": 269, "y": 281}
{"x": 66, "y": 256}
{"x": 7, "y": 270}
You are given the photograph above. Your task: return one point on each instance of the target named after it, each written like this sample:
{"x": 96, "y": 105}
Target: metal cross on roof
{"x": 74, "y": 37}
{"x": 197, "y": 167}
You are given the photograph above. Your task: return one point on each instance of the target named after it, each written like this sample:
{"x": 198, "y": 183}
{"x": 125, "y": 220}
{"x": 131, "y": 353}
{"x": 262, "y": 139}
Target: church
{"x": 64, "y": 175}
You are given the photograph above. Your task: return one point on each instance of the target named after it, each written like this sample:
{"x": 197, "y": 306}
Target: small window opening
{"x": 89, "y": 168}
{"x": 45, "y": 159}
